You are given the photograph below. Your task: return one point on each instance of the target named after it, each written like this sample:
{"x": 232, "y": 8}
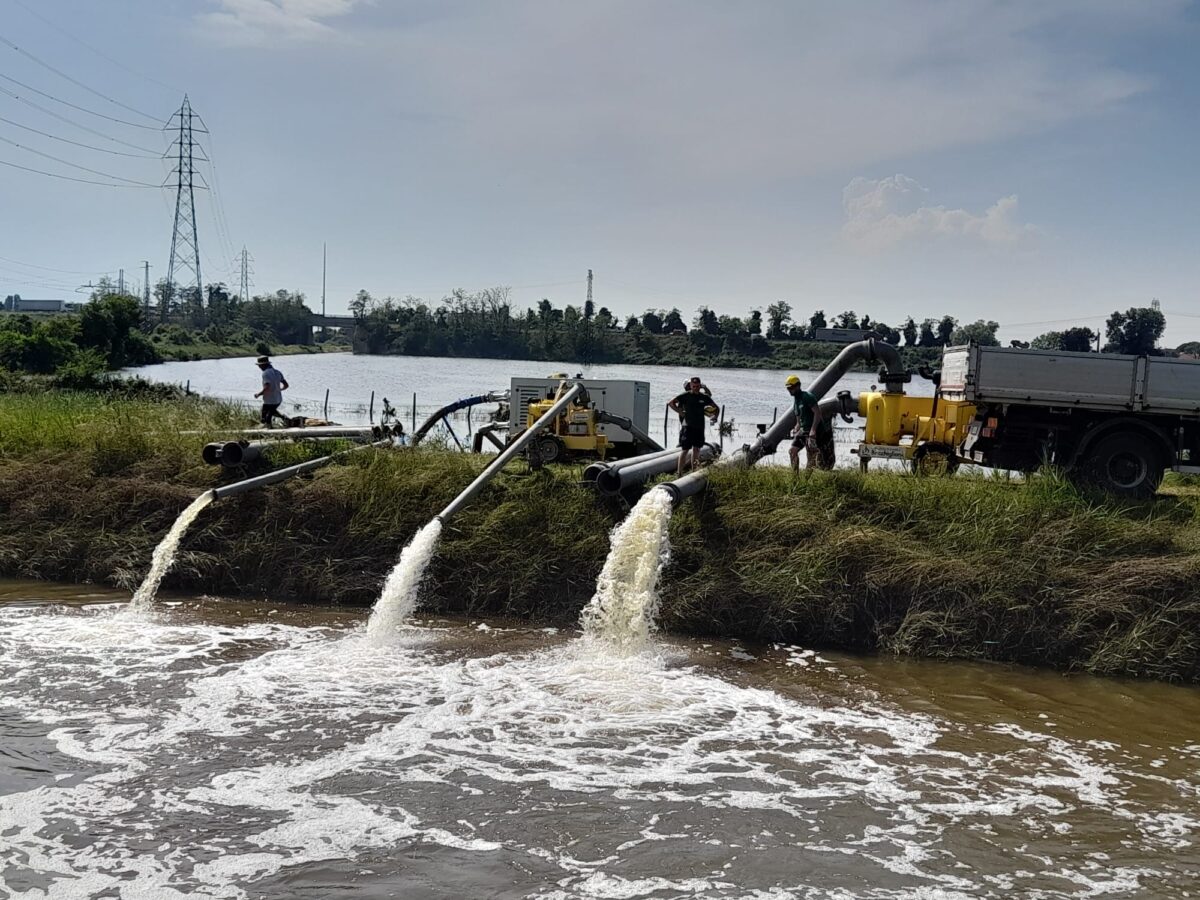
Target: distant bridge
{"x": 346, "y": 322}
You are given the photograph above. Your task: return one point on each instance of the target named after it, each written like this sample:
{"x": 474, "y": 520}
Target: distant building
{"x": 842, "y": 335}
{"x": 17, "y": 303}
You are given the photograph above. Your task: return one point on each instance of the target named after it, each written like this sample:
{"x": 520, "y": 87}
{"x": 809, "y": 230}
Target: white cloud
{"x": 257, "y": 22}
{"x": 888, "y": 211}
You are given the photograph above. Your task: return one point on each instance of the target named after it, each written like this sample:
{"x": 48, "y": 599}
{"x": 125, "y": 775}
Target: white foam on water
{"x": 214, "y": 760}
{"x": 398, "y": 600}
{"x": 622, "y": 611}
{"x": 164, "y": 555}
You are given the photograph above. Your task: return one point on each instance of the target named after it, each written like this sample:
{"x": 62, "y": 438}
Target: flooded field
{"x": 220, "y": 749}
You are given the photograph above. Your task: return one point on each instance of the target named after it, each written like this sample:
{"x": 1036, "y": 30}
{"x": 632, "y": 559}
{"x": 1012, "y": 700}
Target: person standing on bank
{"x": 813, "y": 432}
{"x": 691, "y": 405}
{"x": 273, "y": 386}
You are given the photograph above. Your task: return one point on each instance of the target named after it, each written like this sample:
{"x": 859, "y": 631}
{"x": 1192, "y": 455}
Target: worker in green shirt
{"x": 813, "y": 432}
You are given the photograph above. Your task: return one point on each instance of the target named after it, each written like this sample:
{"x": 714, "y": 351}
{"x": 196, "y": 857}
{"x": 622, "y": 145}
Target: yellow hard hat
{"x": 792, "y": 379}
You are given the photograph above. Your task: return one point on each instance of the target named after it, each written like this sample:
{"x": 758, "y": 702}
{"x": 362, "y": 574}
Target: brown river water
{"x": 226, "y": 749}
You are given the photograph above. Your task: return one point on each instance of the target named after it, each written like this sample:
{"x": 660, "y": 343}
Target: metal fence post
{"x": 371, "y": 409}
{"x": 325, "y": 410}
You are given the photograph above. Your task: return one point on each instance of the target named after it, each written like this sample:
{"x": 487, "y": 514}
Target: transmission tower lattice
{"x": 247, "y": 270}
{"x": 185, "y": 245}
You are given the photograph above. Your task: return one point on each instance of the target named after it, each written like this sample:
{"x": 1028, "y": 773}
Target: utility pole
{"x": 146, "y": 293}
{"x": 589, "y": 296}
{"x": 323, "y": 261}
{"x": 185, "y": 244}
{"x": 120, "y": 281}
{"x": 247, "y": 271}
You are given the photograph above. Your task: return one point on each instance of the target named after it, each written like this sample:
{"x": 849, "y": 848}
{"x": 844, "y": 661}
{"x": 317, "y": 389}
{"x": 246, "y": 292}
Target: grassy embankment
{"x": 964, "y": 567}
{"x": 203, "y": 349}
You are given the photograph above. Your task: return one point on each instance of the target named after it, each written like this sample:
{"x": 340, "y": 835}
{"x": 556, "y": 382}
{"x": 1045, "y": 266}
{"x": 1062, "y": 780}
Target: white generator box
{"x": 630, "y": 399}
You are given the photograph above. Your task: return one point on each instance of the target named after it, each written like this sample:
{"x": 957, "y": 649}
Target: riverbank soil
{"x": 961, "y": 567}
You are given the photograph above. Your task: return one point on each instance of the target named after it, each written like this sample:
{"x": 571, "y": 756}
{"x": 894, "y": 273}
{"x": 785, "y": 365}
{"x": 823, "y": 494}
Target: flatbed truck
{"x": 1117, "y": 422}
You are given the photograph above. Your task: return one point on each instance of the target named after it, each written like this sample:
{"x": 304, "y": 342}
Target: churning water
{"x": 231, "y": 750}
{"x": 164, "y": 554}
{"x": 398, "y": 600}
{"x": 622, "y": 612}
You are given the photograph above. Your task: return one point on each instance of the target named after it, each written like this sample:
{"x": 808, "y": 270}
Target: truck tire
{"x": 1126, "y": 464}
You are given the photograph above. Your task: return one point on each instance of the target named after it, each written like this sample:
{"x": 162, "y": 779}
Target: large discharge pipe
{"x": 549, "y": 417}
{"x": 260, "y": 481}
{"x": 627, "y": 473}
{"x": 870, "y": 350}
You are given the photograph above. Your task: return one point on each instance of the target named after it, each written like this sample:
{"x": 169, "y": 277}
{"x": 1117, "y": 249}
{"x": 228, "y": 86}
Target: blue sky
{"x": 1024, "y": 162}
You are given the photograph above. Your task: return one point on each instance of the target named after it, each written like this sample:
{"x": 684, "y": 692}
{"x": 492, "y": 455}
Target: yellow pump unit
{"x": 899, "y": 426}
{"x": 575, "y": 432}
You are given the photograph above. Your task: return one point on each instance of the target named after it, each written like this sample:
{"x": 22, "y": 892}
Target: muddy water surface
{"x": 218, "y": 749}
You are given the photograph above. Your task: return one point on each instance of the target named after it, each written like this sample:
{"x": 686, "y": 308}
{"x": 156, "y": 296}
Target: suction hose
{"x": 870, "y": 350}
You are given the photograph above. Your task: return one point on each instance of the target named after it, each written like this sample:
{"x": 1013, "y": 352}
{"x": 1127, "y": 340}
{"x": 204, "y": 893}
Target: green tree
{"x": 815, "y": 321}
{"x": 778, "y": 314}
{"x": 652, "y": 322}
{"x": 673, "y": 322}
{"x": 945, "y": 329}
{"x": 1077, "y": 340}
{"x": 360, "y": 304}
{"x": 110, "y": 324}
{"x": 848, "y": 319}
{"x": 754, "y": 323}
{"x": 928, "y": 336}
{"x": 909, "y": 330}
{"x": 981, "y": 332}
{"x": 706, "y": 321}
{"x": 1135, "y": 331}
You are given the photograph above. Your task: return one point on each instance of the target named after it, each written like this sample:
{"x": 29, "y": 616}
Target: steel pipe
{"x": 617, "y": 478}
{"x": 519, "y": 444}
{"x": 260, "y": 481}
{"x": 870, "y": 350}
{"x": 211, "y": 454}
{"x": 592, "y": 472}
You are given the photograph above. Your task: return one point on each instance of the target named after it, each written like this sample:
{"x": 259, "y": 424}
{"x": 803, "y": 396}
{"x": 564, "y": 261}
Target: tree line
{"x": 486, "y": 324}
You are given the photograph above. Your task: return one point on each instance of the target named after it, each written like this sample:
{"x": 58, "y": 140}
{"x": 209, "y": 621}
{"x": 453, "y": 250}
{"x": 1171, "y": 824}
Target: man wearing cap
{"x": 813, "y": 431}
{"x": 692, "y": 405}
{"x": 273, "y": 386}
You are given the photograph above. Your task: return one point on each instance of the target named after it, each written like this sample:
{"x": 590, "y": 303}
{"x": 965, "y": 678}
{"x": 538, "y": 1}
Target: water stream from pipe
{"x": 398, "y": 599}
{"x": 622, "y": 611}
{"x": 164, "y": 554}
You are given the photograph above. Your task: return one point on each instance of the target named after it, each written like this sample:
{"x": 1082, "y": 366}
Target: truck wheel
{"x": 1126, "y": 464}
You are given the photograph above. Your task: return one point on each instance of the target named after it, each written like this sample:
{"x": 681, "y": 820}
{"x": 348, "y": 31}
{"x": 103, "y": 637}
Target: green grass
{"x": 968, "y": 567}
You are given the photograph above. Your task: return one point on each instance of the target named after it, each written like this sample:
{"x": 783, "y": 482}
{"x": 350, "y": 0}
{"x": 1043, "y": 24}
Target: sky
{"x": 1028, "y": 163}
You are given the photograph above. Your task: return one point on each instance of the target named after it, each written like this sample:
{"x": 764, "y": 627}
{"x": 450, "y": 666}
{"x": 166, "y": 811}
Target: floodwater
{"x": 750, "y": 396}
{"x": 221, "y": 749}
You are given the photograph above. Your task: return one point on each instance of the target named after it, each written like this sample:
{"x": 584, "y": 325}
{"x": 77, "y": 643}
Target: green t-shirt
{"x": 804, "y": 403}
{"x": 692, "y": 406}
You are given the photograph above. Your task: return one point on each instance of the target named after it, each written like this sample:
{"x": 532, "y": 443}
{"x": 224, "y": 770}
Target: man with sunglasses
{"x": 691, "y": 405}
{"x": 813, "y": 432}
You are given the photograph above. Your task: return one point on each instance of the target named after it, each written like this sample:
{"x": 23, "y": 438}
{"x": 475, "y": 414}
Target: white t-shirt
{"x": 271, "y": 390}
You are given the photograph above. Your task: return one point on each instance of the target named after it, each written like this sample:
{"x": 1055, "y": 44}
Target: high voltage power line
{"x": 55, "y": 137}
{"x": 64, "y": 162}
{"x": 4, "y": 162}
{"x": 83, "y": 109}
{"x": 116, "y": 62}
{"x": 72, "y": 122}
{"x": 77, "y": 83}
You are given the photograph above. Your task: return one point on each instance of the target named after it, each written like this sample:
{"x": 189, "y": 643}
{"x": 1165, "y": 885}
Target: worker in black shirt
{"x": 691, "y": 405}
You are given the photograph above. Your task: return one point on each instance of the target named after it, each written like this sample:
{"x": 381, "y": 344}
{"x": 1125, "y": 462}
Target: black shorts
{"x": 269, "y": 412}
{"x": 691, "y": 438}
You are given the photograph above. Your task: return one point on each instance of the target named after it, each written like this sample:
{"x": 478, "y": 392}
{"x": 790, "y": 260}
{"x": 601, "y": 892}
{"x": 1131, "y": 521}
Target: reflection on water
{"x": 239, "y": 750}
